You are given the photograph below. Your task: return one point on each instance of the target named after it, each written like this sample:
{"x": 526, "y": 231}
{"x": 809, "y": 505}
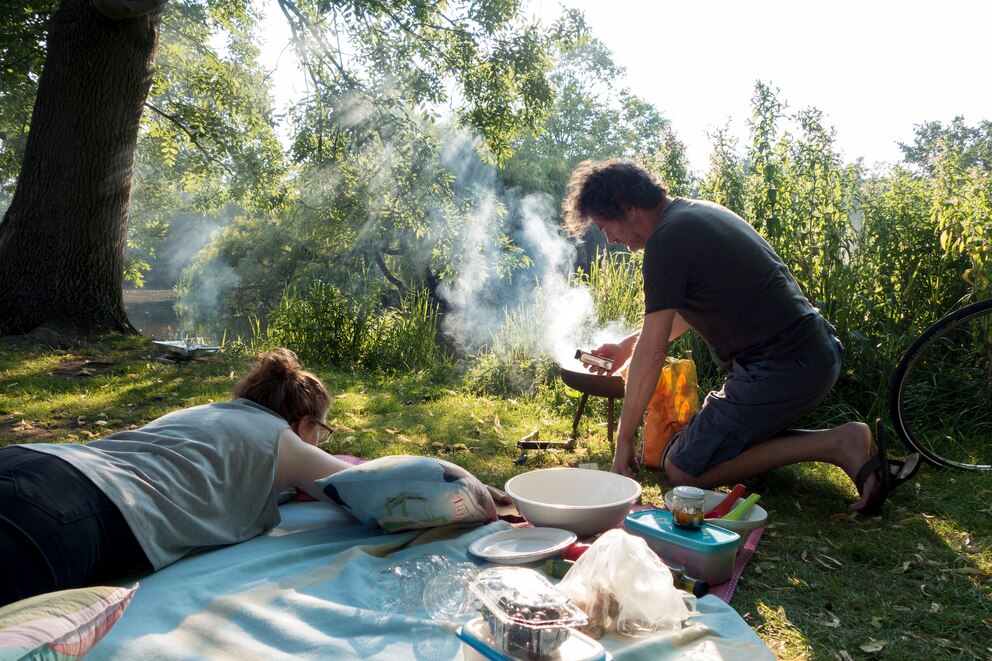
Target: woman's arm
{"x": 300, "y": 465}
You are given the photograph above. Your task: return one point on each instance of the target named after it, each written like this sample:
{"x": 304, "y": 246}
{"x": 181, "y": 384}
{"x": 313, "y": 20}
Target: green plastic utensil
{"x": 742, "y": 509}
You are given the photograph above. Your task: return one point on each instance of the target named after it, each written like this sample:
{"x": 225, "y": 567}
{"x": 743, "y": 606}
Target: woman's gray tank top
{"x": 199, "y": 477}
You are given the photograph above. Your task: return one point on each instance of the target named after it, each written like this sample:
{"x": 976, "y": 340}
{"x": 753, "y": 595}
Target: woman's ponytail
{"x": 278, "y": 382}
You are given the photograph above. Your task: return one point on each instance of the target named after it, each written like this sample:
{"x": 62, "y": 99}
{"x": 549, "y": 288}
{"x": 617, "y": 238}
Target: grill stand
{"x": 587, "y": 384}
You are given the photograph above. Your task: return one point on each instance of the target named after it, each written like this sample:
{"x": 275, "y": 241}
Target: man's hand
{"x": 615, "y": 352}
{"x": 624, "y": 461}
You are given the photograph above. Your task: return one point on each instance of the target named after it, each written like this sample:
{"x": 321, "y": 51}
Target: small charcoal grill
{"x": 183, "y": 350}
{"x": 588, "y": 384}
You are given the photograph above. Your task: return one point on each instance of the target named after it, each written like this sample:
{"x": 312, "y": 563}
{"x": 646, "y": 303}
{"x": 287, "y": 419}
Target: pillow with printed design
{"x": 61, "y": 625}
{"x": 405, "y": 492}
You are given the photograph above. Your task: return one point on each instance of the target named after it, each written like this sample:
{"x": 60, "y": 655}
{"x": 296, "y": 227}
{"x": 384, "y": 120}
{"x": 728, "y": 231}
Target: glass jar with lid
{"x": 688, "y": 507}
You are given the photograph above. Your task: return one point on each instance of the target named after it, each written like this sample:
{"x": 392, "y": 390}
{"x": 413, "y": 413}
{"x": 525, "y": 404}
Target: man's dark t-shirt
{"x": 728, "y": 284}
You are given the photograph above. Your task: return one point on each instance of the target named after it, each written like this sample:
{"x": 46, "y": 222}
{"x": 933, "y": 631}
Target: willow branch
{"x": 192, "y": 138}
{"x": 298, "y": 23}
{"x": 381, "y": 263}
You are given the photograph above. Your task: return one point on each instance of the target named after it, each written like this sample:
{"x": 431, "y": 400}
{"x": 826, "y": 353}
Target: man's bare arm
{"x": 646, "y": 364}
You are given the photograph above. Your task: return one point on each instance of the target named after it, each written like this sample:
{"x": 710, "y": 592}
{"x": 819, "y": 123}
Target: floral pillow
{"x": 405, "y": 492}
{"x": 60, "y": 625}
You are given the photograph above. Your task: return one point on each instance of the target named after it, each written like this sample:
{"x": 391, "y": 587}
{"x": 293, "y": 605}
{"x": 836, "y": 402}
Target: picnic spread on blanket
{"x": 312, "y": 588}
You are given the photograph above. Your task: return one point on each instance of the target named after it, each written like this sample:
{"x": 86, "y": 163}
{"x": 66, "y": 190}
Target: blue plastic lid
{"x": 480, "y": 645}
{"x": 658, "y": 524}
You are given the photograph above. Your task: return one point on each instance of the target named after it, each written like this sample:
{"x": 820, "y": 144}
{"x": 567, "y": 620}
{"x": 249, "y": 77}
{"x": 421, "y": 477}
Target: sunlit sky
{"x": 875, "y": 68}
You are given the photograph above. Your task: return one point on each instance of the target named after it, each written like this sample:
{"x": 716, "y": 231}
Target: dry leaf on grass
{"x": 832, "y": 623}
{"x": 874, "y": 645}
{"x": 833, "y": 560}
{"x": 968, "y": 570}
{"x": 832, "y": 544}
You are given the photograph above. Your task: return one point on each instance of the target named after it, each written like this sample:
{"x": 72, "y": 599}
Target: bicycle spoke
{"x": 944, "y": 392}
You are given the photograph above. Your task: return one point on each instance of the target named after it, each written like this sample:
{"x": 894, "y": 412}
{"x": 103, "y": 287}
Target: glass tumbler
{"x": 447, "y": 596}
{"x": 400, "y": 586}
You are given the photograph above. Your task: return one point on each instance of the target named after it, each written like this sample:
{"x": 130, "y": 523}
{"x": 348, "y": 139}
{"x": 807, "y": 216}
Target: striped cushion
{"x": 60, "y": 625}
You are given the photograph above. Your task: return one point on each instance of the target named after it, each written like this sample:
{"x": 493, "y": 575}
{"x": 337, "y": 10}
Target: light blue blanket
{"x": 302, "y": 592}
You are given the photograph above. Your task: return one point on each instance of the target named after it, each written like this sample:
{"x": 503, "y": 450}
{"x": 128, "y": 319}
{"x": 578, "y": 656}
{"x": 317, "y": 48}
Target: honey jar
{"x": 688, "y": 507}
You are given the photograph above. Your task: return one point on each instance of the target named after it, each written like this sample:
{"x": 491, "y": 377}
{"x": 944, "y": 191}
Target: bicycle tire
{"x": 940, "y": 394}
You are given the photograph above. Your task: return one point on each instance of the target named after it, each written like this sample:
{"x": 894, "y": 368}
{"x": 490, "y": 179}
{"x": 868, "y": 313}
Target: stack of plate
{"x": 522, "y": 545}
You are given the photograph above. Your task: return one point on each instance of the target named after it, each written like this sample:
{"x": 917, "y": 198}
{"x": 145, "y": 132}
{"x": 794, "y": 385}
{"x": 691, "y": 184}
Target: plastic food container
{"x": 478, "y": 644}
{"x": 524, "y": 613}
{"x": 708, "y": 553}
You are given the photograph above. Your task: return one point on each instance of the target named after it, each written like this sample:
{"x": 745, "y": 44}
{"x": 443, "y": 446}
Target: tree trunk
{"x": 62, "y": 239}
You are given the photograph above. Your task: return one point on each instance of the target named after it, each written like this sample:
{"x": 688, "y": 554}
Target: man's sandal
{"x": 878, "y": 466}
{"x": 901, "y": 470}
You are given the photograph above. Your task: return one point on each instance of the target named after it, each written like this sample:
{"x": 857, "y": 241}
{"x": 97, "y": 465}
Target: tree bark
{"x": 62, "y": 239}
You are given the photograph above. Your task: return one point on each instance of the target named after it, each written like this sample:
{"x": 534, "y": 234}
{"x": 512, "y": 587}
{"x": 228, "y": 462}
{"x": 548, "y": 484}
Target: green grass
{"x": 913, "y": 584}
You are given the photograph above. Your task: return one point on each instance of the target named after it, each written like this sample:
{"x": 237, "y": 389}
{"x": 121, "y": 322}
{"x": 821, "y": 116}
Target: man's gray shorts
{"x": 758, "y": 401}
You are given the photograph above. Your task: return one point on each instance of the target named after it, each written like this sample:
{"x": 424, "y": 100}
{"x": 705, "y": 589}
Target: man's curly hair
{"x": 607, "y": 190}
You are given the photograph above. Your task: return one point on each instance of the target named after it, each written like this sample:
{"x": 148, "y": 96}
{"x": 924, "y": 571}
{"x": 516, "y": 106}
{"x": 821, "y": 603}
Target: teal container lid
{"x": 658, "y": 524}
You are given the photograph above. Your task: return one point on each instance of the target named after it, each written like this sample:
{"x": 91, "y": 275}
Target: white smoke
{"x": 199, "y": 306}
{"x": 554, "y": 313}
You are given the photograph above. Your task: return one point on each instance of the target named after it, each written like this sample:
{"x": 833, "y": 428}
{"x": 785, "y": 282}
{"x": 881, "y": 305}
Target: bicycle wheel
{"x": 940, "y": 395}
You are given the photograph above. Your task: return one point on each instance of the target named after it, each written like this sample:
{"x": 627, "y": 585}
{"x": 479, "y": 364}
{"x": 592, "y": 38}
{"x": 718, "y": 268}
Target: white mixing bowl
{"x": 578, "y": 499}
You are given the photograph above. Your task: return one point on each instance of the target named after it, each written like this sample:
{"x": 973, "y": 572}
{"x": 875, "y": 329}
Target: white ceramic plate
{"x": 520, "y": 545}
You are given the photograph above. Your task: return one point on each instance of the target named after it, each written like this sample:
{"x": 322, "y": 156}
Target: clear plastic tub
{"x": 707, "y": 553}
{"x": 478, "y": 645}
{"x": 525, "y": 614}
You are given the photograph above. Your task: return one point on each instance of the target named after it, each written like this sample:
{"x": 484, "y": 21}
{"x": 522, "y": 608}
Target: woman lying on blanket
{"x": 74, "y": 515}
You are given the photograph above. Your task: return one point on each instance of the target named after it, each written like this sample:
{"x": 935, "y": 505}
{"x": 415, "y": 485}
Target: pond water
{"x": 151, "y": 312}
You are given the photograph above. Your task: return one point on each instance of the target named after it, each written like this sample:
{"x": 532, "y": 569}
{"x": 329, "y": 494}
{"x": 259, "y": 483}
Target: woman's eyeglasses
{"x": 324, "y": 433}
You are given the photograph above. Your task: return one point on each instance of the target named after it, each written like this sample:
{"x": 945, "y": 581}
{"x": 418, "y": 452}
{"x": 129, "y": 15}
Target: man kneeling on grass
{"x": 707, "y": 269}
